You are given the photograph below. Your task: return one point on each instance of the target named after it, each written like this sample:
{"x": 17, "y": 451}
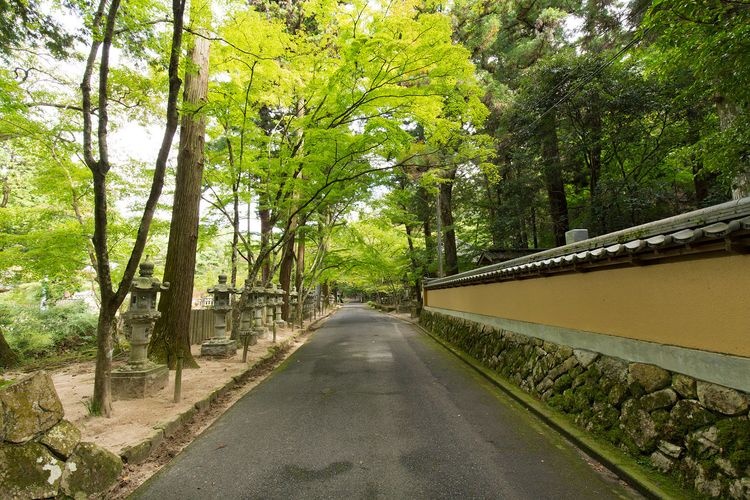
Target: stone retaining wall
{"x": 41, "y": 454}
{"x": 695, "y": 430}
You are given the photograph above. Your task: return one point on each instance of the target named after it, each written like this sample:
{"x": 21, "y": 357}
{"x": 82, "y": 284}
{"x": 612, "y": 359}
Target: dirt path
{"x": 134, "y": 421}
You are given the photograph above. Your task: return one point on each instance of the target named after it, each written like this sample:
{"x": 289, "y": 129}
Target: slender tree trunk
{"x": 553, "y": 179}
{"x": 6, "y": 192}
{"x": 103, "y": 28}
{"x": 8, "y": 358}
{"x": 299, "y": 273}
{"x": 287, "y": 263}
{"x": 235, "y": 232}
{"x": 171, "y": 336}
{"x": 446, "y": 216}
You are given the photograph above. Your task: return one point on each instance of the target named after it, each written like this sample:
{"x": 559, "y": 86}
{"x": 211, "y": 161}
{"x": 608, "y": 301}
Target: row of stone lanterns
{"x": 260, "y": 313}
{"x": 261, "y": 309}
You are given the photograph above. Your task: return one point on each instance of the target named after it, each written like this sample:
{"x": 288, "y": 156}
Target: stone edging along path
{"x": 140, "y": 452}
{"x": 647, "y": 482}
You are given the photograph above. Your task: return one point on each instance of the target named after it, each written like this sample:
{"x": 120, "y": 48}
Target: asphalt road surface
{"x": 368, "y": 408}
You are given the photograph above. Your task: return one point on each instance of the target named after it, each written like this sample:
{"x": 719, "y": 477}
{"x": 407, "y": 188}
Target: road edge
{"x": 649, "y": 483}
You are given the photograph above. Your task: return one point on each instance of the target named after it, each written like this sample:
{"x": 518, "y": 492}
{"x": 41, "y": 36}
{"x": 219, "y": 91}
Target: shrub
{"x": 33, "y": 333}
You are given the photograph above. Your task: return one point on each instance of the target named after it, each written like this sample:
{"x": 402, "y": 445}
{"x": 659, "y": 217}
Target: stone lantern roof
{"x": 146, "y": 281}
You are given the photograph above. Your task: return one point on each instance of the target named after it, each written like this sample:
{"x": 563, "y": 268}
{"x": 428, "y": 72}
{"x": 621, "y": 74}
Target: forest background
{"x": 339, "y": 147}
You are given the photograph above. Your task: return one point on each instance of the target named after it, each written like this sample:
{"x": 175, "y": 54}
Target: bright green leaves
{"x": 369, "y": 255}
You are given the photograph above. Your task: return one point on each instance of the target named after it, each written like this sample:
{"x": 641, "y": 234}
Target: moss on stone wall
{"x": 696, "y": 431}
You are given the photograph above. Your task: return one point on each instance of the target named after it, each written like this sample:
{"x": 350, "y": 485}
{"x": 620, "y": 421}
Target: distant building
{"x": 87, "y": 297}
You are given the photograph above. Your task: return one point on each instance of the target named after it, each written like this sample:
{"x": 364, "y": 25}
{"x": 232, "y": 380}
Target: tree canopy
{"x": 361, "y": 145}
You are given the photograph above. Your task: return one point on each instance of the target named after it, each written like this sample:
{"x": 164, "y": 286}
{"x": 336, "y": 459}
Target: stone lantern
{"x": 270, "y": 305}
{"x": 140, "y": 377}
{"x": 219, "y": 345}
{"x": 279, "y": 305}
{"x": 307, "y": 307}
{"x": 248, "y": 315}
{"x": 259, "y": 293}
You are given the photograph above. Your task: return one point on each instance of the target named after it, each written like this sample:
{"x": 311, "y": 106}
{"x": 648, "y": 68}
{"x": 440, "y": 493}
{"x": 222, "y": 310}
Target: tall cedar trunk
{"x": 414, "y": 264}
{"x": 558, "y": 204}
{"x": 325, "y": 291}
{"x": 728, "y": 112}
{"x": 8, "y": 358}
{"x": 299, "y": 272}
{"x": 265, "y": 239}
{"x": 425, "y": 216}
{"x": 493, "y": 213}
{"x": 595, "y": 169}
{"x": 287, "y": 263}
{"x": 446, "y": 216}
{"x": 171, "y": 336}
{"x": 287, "y": 253}
{"x": 702, "y": 180}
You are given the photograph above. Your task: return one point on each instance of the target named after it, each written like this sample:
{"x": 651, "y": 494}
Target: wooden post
{"x": 178, "y": 379}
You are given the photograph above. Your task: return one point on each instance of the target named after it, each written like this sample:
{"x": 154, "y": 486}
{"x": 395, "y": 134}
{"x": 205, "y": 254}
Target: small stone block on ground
{"x": 219, "y": 348}
{"x": 62, "y": 438}
{"x": 91, "y": 470}
{"x": 28, "y": 471}
{"x": 137, "y": 384}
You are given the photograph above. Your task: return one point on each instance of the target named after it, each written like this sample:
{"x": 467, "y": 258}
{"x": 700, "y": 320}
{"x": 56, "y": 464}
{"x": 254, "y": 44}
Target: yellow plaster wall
{"x": 702, "y": 304}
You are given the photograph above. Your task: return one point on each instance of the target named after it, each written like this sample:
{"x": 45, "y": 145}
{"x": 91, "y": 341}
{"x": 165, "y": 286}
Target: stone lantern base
{"x": 219, "y": 348}
{"x": 260, "y": 332}
{"x": 130, "y": 382}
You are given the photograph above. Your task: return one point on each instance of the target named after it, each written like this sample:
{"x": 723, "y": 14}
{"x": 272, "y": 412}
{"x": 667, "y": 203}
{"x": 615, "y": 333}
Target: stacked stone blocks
{"x": 41, "y": 454}
{"x": 692, "y": 429}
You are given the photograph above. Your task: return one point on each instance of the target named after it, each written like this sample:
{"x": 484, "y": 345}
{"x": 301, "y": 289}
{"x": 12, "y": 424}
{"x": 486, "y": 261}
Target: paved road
{"x": 371, "y": 408}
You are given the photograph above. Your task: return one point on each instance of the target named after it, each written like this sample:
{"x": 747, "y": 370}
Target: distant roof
{"x": 720, "y": 228}
{"x": 495, "y": 255}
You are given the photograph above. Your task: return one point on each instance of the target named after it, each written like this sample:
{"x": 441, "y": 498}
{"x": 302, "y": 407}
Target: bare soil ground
{"x": 134, "y": 421}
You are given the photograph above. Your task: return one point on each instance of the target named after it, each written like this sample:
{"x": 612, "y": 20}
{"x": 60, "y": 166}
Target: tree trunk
{"x": 299, "y": 272}
{"x": 8, "y": 358}
{"x": 101, "y": 403}
{"x": 235, "y": 232}
{"x": 414, "y": 265}
{"x": 99, "y": 167}
{"x": 558, "y": 204}
{"x": 172, "y": 330}
{"x": 287, "y": 263}
{"x": 595, "y": 169}
{"x": 265, "y": 239}
{"x": 727, "y": 112}
{"x": 425, "y": 215}
{"x": 6, "y": 192}
{"x": 446, "y": 216}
